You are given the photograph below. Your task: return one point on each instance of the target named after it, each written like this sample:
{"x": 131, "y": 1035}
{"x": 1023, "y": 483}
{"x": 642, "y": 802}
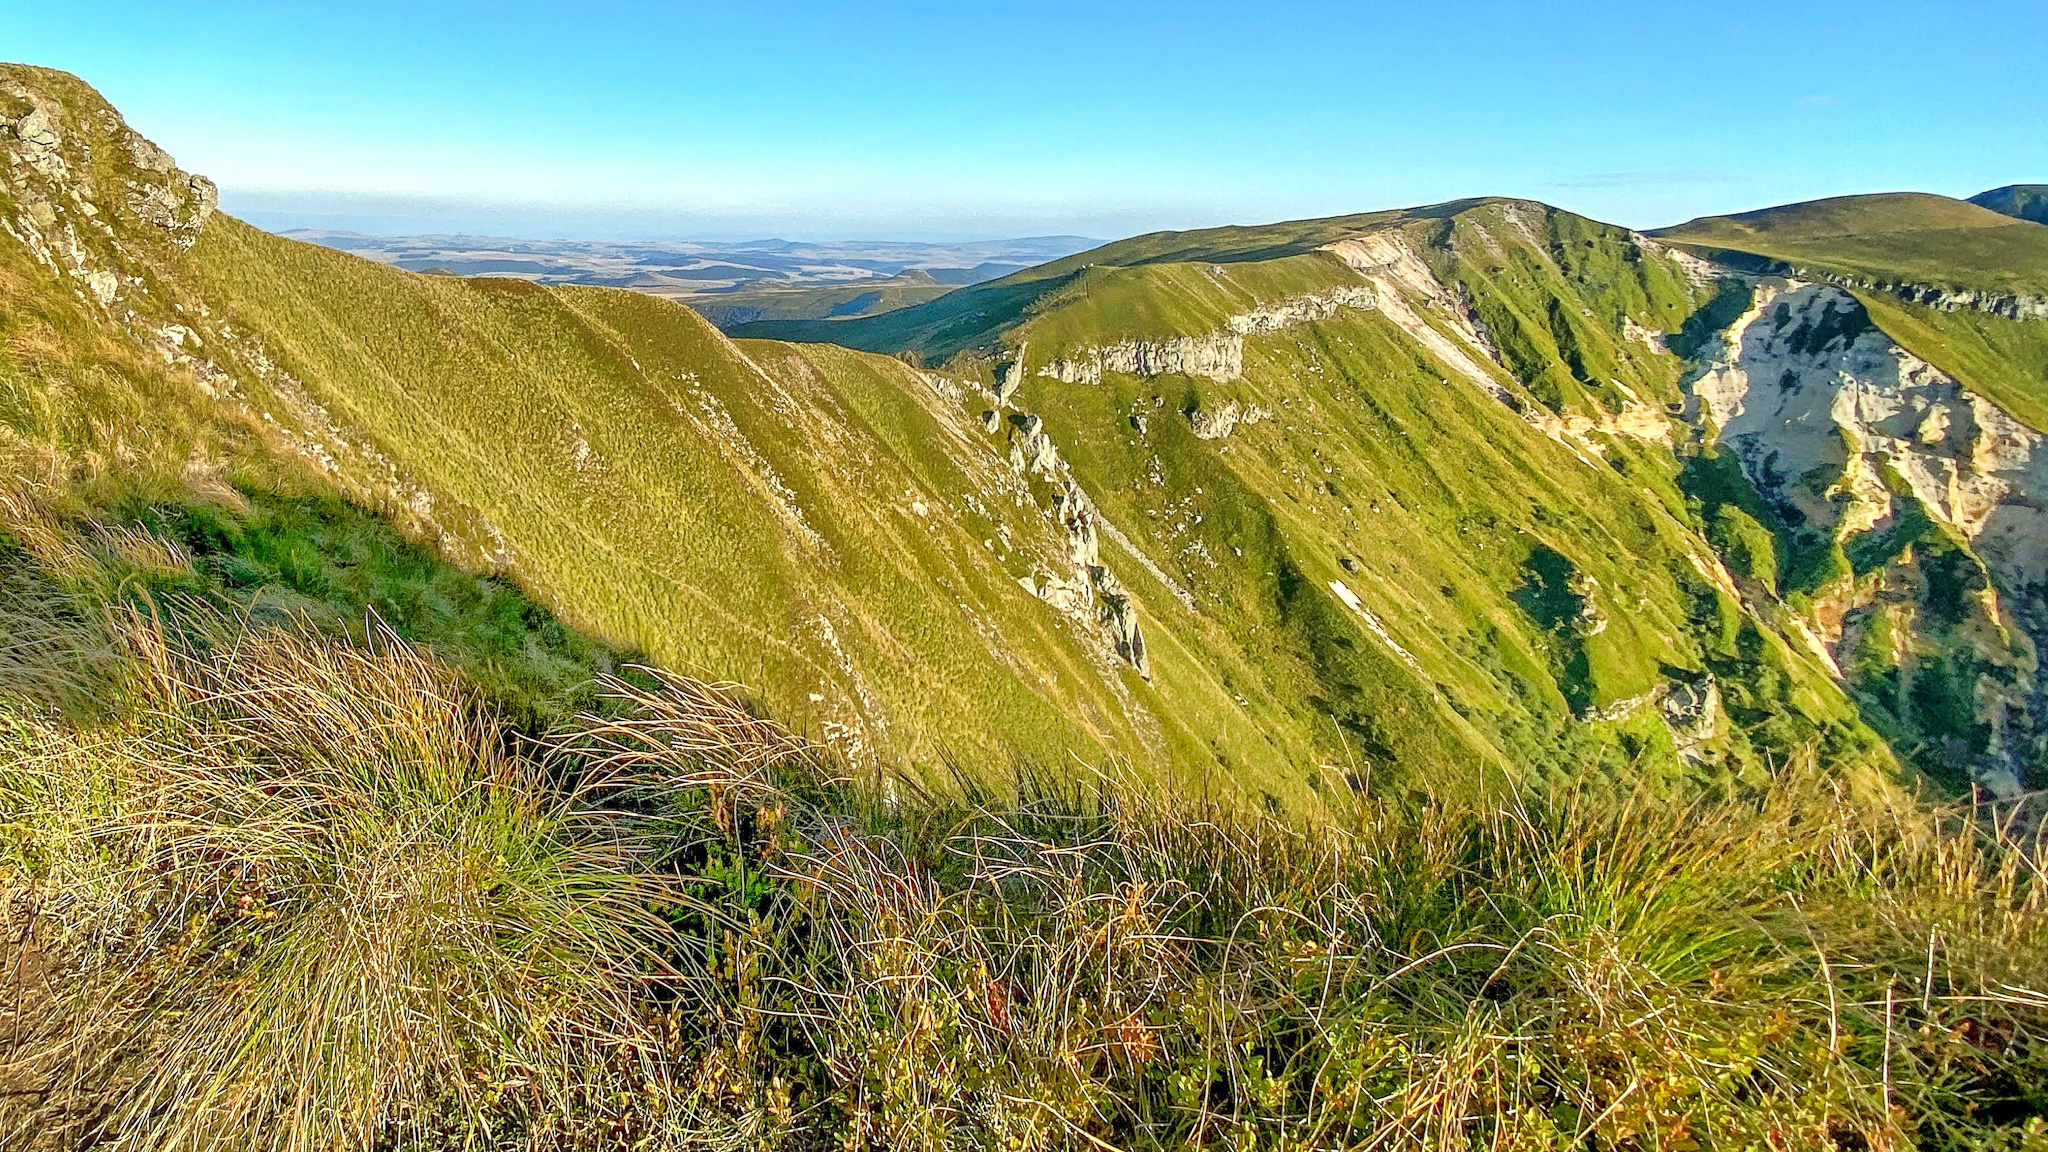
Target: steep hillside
{"x": 1422, "y": 498}
{"x": 831, "y": 528}
{"x": 1552, "y": 423}
{"x": 1429, "y": 451}
{"x": 2024, "y": 201}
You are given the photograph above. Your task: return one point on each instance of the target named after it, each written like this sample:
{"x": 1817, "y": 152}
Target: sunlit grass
{"x": 307, "y": 894}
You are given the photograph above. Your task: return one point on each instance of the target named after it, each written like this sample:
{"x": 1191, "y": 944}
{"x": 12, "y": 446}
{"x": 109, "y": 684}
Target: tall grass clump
{"x": 305, "y": 895}
{"x": 1069, "y": 966}
{"x": 288, "y": 891}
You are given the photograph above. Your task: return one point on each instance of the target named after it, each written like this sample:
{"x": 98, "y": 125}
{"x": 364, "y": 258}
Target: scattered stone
{"x": 1216, "y": 423}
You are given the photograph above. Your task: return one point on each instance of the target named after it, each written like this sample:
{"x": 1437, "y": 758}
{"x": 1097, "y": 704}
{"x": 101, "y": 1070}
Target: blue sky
{"x": 916, "y": 119}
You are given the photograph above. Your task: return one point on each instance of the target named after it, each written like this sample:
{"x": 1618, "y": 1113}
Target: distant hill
{"x": 727, "y": 281}
{"x": 836, "y": 301}
{"x": 1889, "y": 238}
{"x": 2025, "y": 201}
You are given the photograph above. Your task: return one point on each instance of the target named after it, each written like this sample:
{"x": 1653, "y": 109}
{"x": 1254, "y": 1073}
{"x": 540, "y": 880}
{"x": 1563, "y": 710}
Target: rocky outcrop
{"x": 59, "y": 188}
{"x": 1088, "y": 590}
{"x": 1849, "y": 434}
{"x": 1213, "y": 356}
{"x": 2010, "y": 305}
{"x": 1010, "y": 377}
{"x": 1406, "y": 288}
{"x": 1828, "y": 414}
{"x": 1401, "y": 278}
{"x": 1218, "y": 422}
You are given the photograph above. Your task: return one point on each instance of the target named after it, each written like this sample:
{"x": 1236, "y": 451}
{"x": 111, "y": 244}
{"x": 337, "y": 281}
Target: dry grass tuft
{"x": 299, "y": 894}
{"x": 306, "y": 892}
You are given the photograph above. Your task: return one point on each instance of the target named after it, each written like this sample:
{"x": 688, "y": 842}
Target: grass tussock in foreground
{"x": 282, "y": 891}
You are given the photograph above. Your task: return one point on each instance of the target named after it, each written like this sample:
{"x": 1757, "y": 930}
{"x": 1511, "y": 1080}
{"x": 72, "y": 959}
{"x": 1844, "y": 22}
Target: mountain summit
{"x": 2024, "y": 201}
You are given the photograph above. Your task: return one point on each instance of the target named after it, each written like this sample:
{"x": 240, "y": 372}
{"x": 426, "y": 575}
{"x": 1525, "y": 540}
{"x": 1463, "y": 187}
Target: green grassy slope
{"x": 821, "y": 525}
{"x": 975, "y": 316}
{"x": 1902, "y": 237}
{"x": 1396, "y": 577}
{"x": 750, "y": 516}
{"x": 1525, "y": 585}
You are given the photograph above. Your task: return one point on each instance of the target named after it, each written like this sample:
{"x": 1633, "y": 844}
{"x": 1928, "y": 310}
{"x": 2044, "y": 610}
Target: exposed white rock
{"x": 1804, "y": 386}
{"x": 1215, "y": 355}
{"x": 1372, "y": 623}
{"x": 2011, "y": 305}
{"x": 1399, "y": 274}
{"x": 1834, "y": 421}
{"x": 1010, "y": 377}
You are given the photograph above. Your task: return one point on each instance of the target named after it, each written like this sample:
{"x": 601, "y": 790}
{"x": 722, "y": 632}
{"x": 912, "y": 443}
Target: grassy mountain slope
{"x": 316, "y": 833}
{"x": 1450, "y": 529}
{"x": 1892, "y": 238}
{"x": 1520, "y": 562}
{"x": 974, "y": 316}
{"x": 2024, "y": 201}
{"x": 824, "y": 526}
{"x": 1879, "y": 245}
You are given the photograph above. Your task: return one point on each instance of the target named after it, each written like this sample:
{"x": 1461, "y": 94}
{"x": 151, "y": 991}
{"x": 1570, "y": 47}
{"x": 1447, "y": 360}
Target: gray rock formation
{"x": 1010, "y": 377}
{"x": 63, "y": 200}
{"x": 1218, "y": 422}
{"x": 1214, "y": 356}
{"x": 1089, "y": 591}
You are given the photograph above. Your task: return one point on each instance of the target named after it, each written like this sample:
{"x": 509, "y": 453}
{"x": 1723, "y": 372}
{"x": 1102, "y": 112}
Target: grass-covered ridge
{"x": 832, "y": 527}
{"x": 843, "y": 533}
{"x": 363, "y": 783}
{"x": 1440, "y": 508}
{"x": 1887, "y": 239}
{"x": 976, "y": 318}
{"x": 821, "y": 302}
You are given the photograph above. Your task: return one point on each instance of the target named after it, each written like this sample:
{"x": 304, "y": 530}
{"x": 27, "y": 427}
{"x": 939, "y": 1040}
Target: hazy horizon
{"x": 918, "y": 122}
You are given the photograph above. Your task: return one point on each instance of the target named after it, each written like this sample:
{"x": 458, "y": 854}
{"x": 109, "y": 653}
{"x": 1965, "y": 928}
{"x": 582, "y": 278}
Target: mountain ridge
{"x": 1181, "y": 500}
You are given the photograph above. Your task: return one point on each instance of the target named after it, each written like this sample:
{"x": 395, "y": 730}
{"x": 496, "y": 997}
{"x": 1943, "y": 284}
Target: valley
{"x": 729, "y": 283}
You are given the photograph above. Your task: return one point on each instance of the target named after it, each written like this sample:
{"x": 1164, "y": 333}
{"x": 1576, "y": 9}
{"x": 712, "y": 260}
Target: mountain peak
{"x": 2024, "y": 201}
{"x": 81, "y": 178}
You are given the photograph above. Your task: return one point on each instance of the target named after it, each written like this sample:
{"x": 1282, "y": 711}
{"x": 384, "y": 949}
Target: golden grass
{"x": 303, "y": 894}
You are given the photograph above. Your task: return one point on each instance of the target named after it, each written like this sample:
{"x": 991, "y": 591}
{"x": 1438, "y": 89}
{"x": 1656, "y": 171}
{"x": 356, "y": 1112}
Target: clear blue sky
{"x": 910, "y": 118}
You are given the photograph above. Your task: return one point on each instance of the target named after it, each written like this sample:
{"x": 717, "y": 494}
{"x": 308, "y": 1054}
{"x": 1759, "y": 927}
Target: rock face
{"x": 1398, "y": 274}
{"x": 1807, "y": 389}
{"x": 2011, "y": 305}
{"x": 1215, "y": 356}
{"x": 1218, "y": 422}
{"x": 1089, "y": 591}
{"x": 1850, "y": 436}
{"x": 74, "y": 174}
